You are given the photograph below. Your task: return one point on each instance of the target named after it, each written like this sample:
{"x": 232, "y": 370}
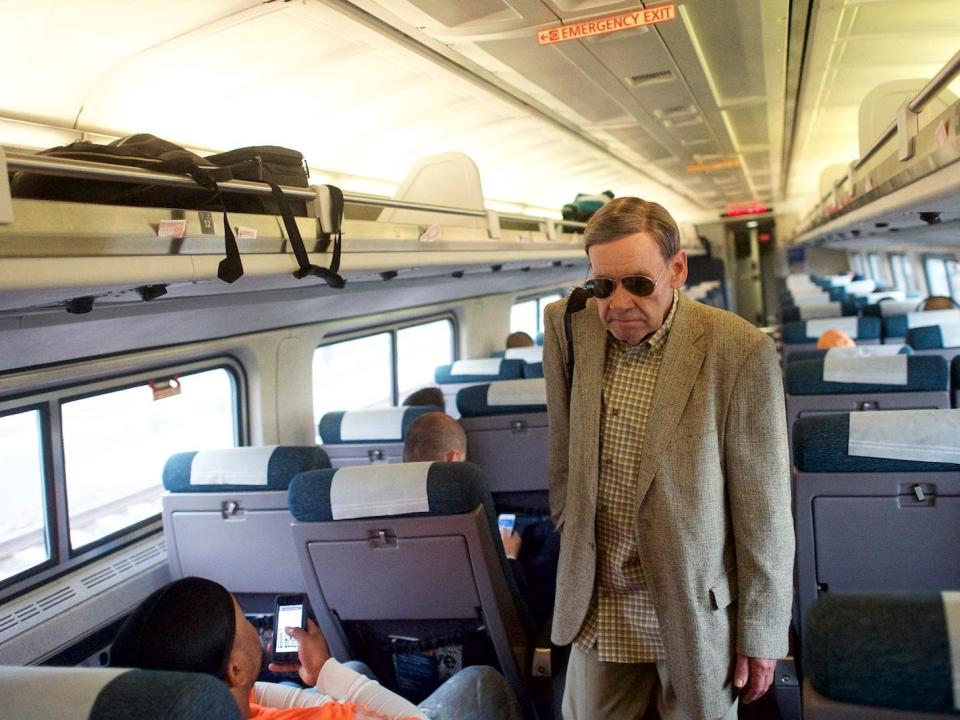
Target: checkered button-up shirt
{"x": 621, "y": 620}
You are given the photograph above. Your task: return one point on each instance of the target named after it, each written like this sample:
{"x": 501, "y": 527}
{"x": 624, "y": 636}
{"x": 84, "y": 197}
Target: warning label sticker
{"x": 607, "y": 24}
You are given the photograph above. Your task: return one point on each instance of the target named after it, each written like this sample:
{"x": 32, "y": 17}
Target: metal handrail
{"x": 66, "y": 167}
{"x": 929, "y": 91}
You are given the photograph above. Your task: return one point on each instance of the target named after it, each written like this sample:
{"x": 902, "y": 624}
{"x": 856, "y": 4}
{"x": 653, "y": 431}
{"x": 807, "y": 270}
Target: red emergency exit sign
{"x": 607, "y": 24}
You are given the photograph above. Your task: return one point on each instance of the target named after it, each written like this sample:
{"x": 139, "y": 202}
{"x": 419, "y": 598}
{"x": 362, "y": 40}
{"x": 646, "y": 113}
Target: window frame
{"x": 562, "y": 292}
{"x": 64, "y": 558}
{"x": 881, "y": 272}
{"x": 392, "y": 329}
{"x": 925, "y": 258}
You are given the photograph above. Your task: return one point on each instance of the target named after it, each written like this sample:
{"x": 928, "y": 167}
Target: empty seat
{"x": 506, "y": 426}
{"x": 814, "y": 311}
{"x": 397, "y": 549}
{"x": 880, "y": 657}
{"x": 925, "y": 386}
{"x": 868, "y": 524}
{"x": 225, "y": 516}
{"x": 803, "y": 334}
{"x": 942, "y": 340}
{"x": 886, "y": 308}
{"x": 532, "y": 354}
{"x": 464, "y": 373}
{"x": 895, "y": 326}
{"x": 360, "y": 437}
{"x": 81, "y": 693}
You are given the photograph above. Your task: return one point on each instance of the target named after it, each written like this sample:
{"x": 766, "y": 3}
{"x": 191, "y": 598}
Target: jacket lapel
{"x": 682, "y": 358}
{"x": 590, "y": 341}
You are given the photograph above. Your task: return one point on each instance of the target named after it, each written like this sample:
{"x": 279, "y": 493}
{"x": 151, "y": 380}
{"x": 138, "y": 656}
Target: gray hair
{"x": 628, "y": 216}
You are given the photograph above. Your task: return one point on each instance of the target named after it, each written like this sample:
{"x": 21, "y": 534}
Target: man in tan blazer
{"x": 669, "y": 484}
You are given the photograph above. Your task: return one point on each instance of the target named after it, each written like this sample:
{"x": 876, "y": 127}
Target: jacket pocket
{"x": 724, "y": 590}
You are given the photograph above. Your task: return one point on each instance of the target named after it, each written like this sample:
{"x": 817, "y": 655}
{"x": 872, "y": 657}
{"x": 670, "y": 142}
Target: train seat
{"x": 816, "y": 311}
{"x": 803, "y": 334}
{"x": 533, "y": 370}
{"x": 506, "y": 426}
{"x": 882, "y": 657}
{"x": 942, "y": 340}
{"x": 464, "y": 373}
{"x": 888, "y": 522}
{"x": 360, "y": 437}
{"x": 411, "y": 551}
{"x": 865, "y": 383}
{"x": 955, "y": 380}
{"x": 895, "y": 326}
{"x": 81, "y": 693}
{"x": 225, "y": 516}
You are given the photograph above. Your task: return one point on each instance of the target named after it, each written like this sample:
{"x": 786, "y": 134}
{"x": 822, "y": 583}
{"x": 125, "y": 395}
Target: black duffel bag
{"x": 273, "y": 165}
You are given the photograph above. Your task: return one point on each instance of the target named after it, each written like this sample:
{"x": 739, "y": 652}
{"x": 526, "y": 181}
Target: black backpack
{"x": 269, "y": 164}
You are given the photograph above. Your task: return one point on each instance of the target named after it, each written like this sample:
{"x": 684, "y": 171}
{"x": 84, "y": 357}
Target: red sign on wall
{"x": 607, "y": 24}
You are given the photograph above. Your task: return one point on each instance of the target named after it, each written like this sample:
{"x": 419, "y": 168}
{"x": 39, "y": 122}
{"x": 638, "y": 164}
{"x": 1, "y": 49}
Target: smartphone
{"x": 507, "y": 521}
{"x": 291, "y": 612}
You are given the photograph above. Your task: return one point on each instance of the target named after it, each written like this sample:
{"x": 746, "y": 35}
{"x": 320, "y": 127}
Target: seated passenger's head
{"x": 938, "y": 302}
{"x": 834, "y": 338}
{"x": 435, "y": 437}
{"x": 519, "y": 340}
{"x": 432, "y": 396}
{"x": 192, "y": 625}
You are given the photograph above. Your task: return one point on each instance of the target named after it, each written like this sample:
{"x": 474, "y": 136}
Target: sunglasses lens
{"x": 638, "y": 285}
{"x": 600, "y": 287}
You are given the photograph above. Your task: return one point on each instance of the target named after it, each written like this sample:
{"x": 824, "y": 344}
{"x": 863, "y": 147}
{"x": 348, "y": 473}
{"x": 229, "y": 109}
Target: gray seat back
{"x": 869, "y": 524}
{"x": 362, "y": 437}
{"x": 506, "y": 427}
{"x": 220, "y": 526}
{"x": 410, "y": 542}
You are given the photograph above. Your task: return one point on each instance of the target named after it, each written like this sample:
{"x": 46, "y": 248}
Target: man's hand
{"x": 753, "y": 676}
{"x": 313, "y": 653}
{"x": 511, "y": 543}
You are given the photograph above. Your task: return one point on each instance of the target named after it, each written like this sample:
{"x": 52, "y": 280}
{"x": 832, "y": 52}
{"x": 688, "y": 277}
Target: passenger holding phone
{"x": 669, "y": 484}
{"x": 195, "y": 625}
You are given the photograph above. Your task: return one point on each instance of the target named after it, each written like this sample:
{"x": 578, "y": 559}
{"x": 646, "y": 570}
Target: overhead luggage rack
{"x": 127, "y": 247}
{"x": 911, "y": 185}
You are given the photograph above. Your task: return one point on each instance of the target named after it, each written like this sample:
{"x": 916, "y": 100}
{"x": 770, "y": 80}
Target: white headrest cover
{"x": 950, "y": 333}
{"x": 374, "y": 490}
{"x": 895, "y": 307}
{"x": 231, "y": 466}
{"x": 532, "y": 391}
{"x": 820, "y": 310}
{"x": 924, "y": 435}
{"x": 864, "y": 351}
{"x": 816, "y": 328}
{"x": 376, "y": 424}
{"x": 479, "y": 366}
{"x": 889, "y": 370}
{"x": 527, "y": 354}
{"x": 932, "y": 317}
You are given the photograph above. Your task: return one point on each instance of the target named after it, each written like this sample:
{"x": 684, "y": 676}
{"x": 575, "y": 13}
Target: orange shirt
{"x": 327, "y": 711}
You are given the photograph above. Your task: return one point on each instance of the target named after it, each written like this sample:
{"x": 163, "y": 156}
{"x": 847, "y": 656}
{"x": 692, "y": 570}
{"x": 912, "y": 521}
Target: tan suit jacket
{"x": 713, "y": 523}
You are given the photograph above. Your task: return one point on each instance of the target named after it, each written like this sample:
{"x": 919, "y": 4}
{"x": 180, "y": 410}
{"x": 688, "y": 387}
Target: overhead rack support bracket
{"x": 908, "y": 126}
{"x": 493, "y": 224}
{"x": 6, "y": 202}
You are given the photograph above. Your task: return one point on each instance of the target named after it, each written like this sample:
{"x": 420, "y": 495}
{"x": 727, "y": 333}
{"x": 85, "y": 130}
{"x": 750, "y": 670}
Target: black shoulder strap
{"x": 330, "y": 276}
{"x": 575, "y": 303}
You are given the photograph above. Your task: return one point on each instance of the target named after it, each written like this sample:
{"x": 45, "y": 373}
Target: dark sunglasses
{"x": 639, "y": 285}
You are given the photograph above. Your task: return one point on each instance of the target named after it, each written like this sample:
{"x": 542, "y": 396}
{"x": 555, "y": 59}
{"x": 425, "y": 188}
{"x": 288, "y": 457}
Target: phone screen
{"x": 506, "y": 521}
{"x": 287, "y": 616}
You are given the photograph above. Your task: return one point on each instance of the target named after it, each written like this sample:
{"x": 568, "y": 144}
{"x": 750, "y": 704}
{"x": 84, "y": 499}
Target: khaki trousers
{"x": 619, "y": 691}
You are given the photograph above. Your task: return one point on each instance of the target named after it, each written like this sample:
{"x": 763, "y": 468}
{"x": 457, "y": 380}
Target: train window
{"x": 527, "y": 315}
{"x": 857, "y": 264}
{"x": 23, "y": 536}
{"x": 936, "y": 271}
{"x": 353, "y": 374}
{"x": 115, "y": 445}
{"x": 878, "y": 269}
{"x": 902, "y": 272}
{"x": 420, "y": 349}
{"x": 953, "y": 275}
